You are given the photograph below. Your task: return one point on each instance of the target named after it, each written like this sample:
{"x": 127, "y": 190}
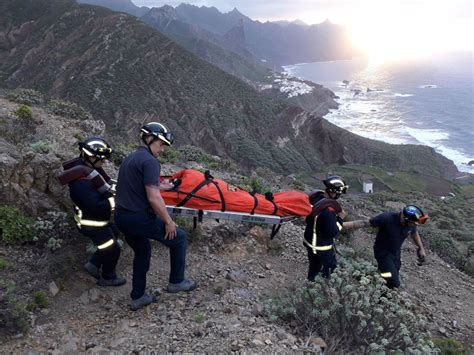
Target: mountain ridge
{"x": 125, "y": 72}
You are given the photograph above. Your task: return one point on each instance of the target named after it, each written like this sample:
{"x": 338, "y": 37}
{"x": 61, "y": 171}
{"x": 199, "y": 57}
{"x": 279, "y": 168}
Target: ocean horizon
{"x": 425, "y": 101}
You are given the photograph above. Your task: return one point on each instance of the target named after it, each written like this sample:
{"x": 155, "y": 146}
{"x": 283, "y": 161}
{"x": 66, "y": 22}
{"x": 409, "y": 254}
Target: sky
{"x": 387, "y": 28}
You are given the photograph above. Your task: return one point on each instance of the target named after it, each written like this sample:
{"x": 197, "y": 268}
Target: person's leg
{"x": 314, "y": 265}
{"x": 141, "y": 264}
{"x": 388, "y": 270}
{"x": 329, "y": 262}
{"x": 177, "y": 247}
{"x": 109, "y": 255}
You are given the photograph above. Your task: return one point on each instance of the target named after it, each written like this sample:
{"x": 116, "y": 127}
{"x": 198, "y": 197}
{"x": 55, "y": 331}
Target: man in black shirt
{"x": 141, "y": 214}
{"x": 393, "y": 229}
{"x": 323, "y": 226}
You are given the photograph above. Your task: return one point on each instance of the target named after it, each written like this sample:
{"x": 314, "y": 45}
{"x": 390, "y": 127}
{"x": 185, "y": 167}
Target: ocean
{"x": 428, "y": 101}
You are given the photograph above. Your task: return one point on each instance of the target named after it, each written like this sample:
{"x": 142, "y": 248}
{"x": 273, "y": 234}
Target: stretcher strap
{"x": 221, "y": 195}
{"x": 269, "y": 197}
{"x": 193, "y": 192}
{"x": 255, "y": 202}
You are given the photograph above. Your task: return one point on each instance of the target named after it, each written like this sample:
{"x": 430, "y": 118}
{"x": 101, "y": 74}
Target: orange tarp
{"x": 232, "y": 198}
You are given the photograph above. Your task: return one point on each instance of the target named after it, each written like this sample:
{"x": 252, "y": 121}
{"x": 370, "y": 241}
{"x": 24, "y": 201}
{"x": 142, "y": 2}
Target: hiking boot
{"x": 185, "y": 285}
{"x": 92, "y": 270}
{"x": 141, "y": 302}
{"x": 117, "y": 281}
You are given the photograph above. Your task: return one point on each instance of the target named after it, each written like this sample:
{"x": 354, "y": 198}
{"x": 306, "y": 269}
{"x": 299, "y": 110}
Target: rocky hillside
{"x": 125, "y": 72}
{"x": 227, "y": 52}
{"x": 30, "y": 160}
{"x": 240, "y": 273}
{"x": 272, "y": 42}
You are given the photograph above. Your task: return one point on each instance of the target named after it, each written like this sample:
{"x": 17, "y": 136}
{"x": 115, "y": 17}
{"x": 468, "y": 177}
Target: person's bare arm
{"x": 421, "y": 253}
{"x": 362, "y": 223}
{"x": 158, "y": 205}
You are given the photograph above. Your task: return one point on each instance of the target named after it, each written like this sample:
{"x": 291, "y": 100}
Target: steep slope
{"x": 125, "y": 72}
{"x": 270, "y": 43}
{"x": 226, "y": 52}
{"x": 279, "y": 44}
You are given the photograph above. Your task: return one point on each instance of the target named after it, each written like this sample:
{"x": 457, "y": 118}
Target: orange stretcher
{"x": 200, "y": 195}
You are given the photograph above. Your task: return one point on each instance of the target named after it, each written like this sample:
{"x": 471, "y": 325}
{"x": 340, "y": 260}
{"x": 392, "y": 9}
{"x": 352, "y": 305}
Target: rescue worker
{"x": 323, "y": 226}
{"x": 141, "y": 214}
{"x": 393, "y": 229}
{"x": 92, "y": 194}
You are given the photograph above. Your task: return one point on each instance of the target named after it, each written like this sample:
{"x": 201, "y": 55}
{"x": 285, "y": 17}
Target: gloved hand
{"x": 421, "y": 257}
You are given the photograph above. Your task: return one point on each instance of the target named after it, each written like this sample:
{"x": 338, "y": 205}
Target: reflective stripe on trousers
{"x": 106, "y": 244}
{"x": 87, "y": 222}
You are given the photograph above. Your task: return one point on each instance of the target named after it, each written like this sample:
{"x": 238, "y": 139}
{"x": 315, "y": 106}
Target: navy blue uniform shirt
{"x": 139, "y": 169}
{"x": 326, "y": 228}
{"x": 391, "y": 233}
{"x": 94, "y": 205}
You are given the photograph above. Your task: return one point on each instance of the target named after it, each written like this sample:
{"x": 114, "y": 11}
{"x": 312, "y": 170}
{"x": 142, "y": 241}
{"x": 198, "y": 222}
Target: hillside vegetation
{"x": 125, "y": 73}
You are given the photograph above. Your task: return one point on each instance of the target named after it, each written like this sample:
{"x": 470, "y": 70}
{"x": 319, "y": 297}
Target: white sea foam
{"x": 385, "y": 115}
{"x": 457, "y": 157}
{"x": 430, "y": 137}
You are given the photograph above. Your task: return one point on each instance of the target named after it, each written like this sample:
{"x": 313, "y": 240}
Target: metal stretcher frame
{"x": 199, "y": 215}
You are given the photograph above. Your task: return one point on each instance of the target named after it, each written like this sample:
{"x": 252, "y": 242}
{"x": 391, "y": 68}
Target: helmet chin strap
{"x": 148, "y": 145}
{"x": 90, "y": 161}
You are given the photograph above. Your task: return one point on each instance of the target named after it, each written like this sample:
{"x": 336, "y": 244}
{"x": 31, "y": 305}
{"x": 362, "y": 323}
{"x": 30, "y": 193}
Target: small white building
{"x": 368, "y": 187}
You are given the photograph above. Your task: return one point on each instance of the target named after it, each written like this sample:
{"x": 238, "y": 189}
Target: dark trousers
{"x": 389, "y": 263}
{"x": 138, "y": 229}
{"x": 323, "y": 262}
{"x": 106, "y": 258}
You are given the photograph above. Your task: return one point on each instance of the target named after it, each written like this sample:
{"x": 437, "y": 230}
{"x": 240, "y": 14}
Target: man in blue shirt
{"x": 141, "y": 214}
{"x": 393, "y": 229}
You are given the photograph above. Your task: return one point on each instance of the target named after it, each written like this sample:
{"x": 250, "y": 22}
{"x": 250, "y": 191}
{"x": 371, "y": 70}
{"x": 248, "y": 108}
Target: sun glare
{"x": 386, "y": 30}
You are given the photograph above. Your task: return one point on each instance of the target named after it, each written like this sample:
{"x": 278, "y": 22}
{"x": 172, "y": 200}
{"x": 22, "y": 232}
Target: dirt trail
{"x": 235, "y": 274}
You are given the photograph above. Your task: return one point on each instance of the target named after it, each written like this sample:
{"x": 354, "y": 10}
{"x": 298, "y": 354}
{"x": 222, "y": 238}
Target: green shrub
{"x": 7, "y": 286}
{"x": 13, "y": 317}
{"x": 39, "y": 301}
{"x": 24, "y": 112}
{"x": 170, "y": 155}
{"x": 53, "y": 228}
{"x": 54, "y": 244}
{"x": 79, "y": 136}
{"x": 3, "y": 264}
{"x": 257, "y": 184}
{"x": 43, "y": 147}
{"x": 121, "y": 151}
{"x": 193, "y": 153}
{"x": 450, "y": 346}
{"x": 15, "y": 228}
{"x": 26, "y": 97}
{"x": 199, "y": 318}
{"x": 354, "y": 312}
{"x": 68, "y": 109}
{"x": 228, "y": 165}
